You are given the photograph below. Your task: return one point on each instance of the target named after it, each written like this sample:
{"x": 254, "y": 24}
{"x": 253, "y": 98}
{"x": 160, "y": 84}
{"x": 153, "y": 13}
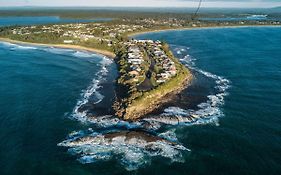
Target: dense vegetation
{"x": 148, "y": 100}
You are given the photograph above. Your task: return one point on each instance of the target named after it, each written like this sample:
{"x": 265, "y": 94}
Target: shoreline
{"x": 157, "y": 97}
{"x": 131, "y": 35}
{"x": 63, "y": 46}
{"x": 133, "y": 110}
{"x": 111, "y": 54}
{"x": 161, "y": 100}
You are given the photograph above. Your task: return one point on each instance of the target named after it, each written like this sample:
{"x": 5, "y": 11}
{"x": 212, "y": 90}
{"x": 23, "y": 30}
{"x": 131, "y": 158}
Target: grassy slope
{"x": 149, "y": 100}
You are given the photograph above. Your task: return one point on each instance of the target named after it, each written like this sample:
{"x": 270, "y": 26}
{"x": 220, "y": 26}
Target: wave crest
{"x": 135, "y": 148}
{"x": 208, "y": 111}
{"x": 92, "y": 92}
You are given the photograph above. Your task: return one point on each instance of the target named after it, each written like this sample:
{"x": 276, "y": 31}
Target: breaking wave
{"x": 83, "y": 54}
{"x": 132, "y": 149}
{"x": 17, "y": 46}
{"x": 110, "y": 121}
{"x": 92, "y": 94}
{"x": 135, "y": 149}
{"x": 207, "y": 112}
{"x": 56, "y": 50}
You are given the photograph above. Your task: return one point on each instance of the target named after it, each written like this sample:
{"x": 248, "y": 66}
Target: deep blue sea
{"x": 39, "y": 88}
{"x": 236, "y": 89}
{"x": 248, "y": 137}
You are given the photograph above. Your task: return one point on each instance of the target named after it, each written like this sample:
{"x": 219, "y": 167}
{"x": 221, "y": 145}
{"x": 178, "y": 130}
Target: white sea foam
{"x": 180, "y": 50}
{"x": 109, "y": 121}
{"x": 207, "y": 112}
{"x": 169, "y": 135}
{"x": 11, "y": 45}
{"x": 211, "y": 108}
{"x": 104, "y": 63}
{"x": 7, "y": 44}
{"x": 132, "y": 149}
{"x": 92, "y": 90}
{"x": 17, "y": 46}
{"x": 171, "y": 118}
{"x": 26, "y": 47}
{"x": 176, "y": 111}
{"x": 56, "y": 50}
{"x": 135, "y": 151}
{"x": 83, "y": 54}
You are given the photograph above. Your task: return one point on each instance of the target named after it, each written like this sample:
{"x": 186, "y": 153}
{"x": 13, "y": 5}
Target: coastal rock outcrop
{"x": 135, "y": 147}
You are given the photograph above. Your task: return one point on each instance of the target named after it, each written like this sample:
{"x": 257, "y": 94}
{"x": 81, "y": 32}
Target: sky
{"x": 144, "y": 3}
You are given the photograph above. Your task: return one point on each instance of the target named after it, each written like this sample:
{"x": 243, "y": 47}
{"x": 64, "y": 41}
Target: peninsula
{"x": 148, "y": 71}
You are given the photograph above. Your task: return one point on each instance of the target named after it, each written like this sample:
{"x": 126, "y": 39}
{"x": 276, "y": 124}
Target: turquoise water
{"x": 236, "y": 88}
{"x": 36, "y": 20}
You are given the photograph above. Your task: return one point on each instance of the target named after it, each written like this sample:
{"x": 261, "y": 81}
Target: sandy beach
{"x": 64, "y": 46}
{"x": 111, "y": 54}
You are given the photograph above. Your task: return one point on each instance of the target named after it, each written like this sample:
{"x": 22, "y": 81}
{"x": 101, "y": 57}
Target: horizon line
{"x": 35, "y": 6}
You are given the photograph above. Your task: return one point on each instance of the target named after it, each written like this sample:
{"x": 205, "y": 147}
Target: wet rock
{"x": 134, "y": 147}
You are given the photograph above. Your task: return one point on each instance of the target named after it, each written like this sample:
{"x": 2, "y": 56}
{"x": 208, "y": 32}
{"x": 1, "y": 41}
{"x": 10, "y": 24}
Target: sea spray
{"x": 208, "y": 111}
{"x": 135, "y": 148}
{"x": 92, "y": 92}
{"x": 13, "y": 46}
{"x": 83, "y": 54}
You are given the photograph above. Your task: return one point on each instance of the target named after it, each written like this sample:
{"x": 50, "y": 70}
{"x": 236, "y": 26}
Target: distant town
{"x": 77, "y": 33}
{"x": 105, "y": 35}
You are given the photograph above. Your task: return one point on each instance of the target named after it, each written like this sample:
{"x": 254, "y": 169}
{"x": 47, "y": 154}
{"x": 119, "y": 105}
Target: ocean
{"x": 49, "y": 97}
{"x": 39, "y": 88}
